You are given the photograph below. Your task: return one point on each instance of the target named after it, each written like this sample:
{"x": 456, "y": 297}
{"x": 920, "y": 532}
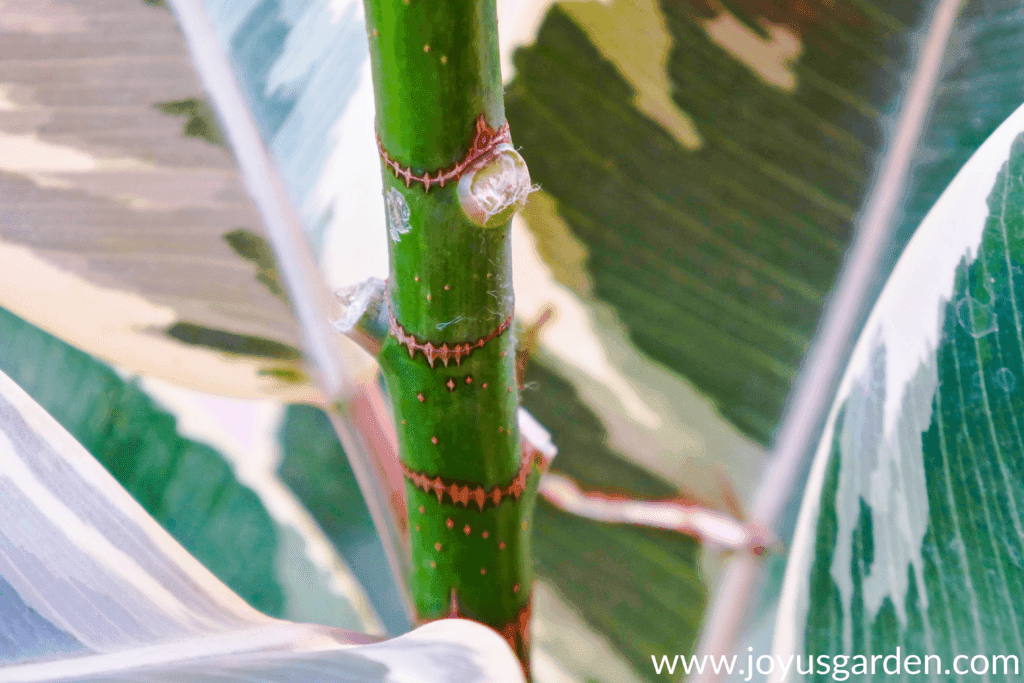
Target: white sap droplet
{"x": 976, "y": 317}
{"x": 1005, "y": 379}
{"x": 397, "y": 213}
{"x": 490, "y": 193}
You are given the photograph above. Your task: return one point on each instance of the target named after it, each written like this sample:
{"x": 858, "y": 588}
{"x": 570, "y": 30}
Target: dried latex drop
{"x": 494, "y": 190}
{"x": 397, "y": 213}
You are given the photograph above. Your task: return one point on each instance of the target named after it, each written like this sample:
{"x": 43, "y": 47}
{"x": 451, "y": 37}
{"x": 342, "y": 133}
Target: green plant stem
{"x": 470, "y": 497}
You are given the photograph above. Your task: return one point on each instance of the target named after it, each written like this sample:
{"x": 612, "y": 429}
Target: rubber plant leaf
{"x": 746, "y": 263}
{"x": 126, "y": 228}
{"x": 967, "y": 51}
{"x": 137, "y": 235}
{"x": 256, "y": 543}
{"x": 666, "y": 270}
{"x": 909, "y": 542}
{"x": 94, "y": 589}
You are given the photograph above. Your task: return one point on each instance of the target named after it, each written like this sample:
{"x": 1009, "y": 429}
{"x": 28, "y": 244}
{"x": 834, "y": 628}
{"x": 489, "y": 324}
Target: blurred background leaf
{"x": 125, "y": 229}
{"x": 314, "y": 466}
{"x": 620, "y": 579}
{"x": 187, "y": 486}
{"x": 715, "y": 248}
{"x": 982, "y": 84}
{"x": 715, "y": 245}
{"x": 124, "y": 226}
{"x": 701, "y": 167}
{"x": 94, "y": 589}
{"x": 909, "y": 535}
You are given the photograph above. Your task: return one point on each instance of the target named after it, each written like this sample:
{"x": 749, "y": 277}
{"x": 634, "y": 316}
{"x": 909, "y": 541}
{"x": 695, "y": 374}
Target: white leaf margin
{"x": 906, "y": 322}
{"x": 149, "y": 604}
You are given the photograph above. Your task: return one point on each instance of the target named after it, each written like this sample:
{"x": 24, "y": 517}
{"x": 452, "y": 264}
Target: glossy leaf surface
{"x": 94, "y": 589}
{"x": 979, "y": 85}
{"x": 909, "y": 536}
{"x": 826, "y": 117}
{"x": 187, "y": 486}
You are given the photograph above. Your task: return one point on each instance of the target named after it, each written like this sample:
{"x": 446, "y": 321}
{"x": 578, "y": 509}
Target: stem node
{"x": 492, "y": 191}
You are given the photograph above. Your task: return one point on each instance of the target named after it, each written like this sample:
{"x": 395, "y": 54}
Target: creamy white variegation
{"x": 113, "y": 220}
{"x": 339, "y": 367}
{"x": 79, "y": 553}
{"x": 900, "y": 339}
{"x": 813, "y": 386}
{"x": 567, "y": 649}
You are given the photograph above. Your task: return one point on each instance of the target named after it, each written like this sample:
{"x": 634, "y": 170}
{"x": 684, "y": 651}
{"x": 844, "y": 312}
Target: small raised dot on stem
{"x": 428, "y": 297}
{"x": 485, "y": 385}
{"x": 433, "y": 440}
{"x": 449, "y": 523}
{"x": 422, "y": 509}
{"x": 417, "y": 527}
{"x": 416, "y": 278}
{"x": 437, "y": 547}
{"x": 433, "y": 565}
{"x": 485, "y": 534}
{"x": 469, "y": 379}
{"x": 515, "y": 588}
{"x": 420, "y": 397}
{"x": 524, "y": 525}
{"x": 426, "y": 48}
{"x": 466, "y": 529}
{"x": 447, "y": 287}
{"x": 444, "y": 59}
{"x": 483, "y": 570}
{"x": 501, "y": 546}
